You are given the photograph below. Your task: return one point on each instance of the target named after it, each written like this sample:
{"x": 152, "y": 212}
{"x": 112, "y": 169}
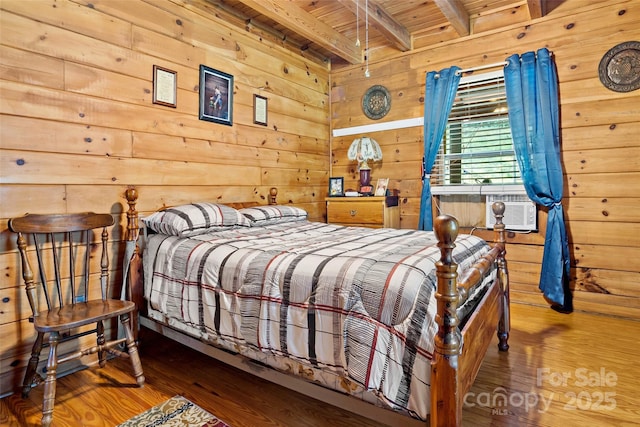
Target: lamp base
{"x": 365, "y": 182}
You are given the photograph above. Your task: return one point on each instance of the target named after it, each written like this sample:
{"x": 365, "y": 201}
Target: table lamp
{"x": 364, "y": 149}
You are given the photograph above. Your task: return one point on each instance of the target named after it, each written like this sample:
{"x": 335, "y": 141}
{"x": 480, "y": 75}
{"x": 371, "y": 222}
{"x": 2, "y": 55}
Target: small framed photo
{"x": 381, "y": 187}
{"x": 164, "y": 86}
{"x": 216, "y": 96}
{"x": 336, "y": 186}
{"x": 259, "y": 110}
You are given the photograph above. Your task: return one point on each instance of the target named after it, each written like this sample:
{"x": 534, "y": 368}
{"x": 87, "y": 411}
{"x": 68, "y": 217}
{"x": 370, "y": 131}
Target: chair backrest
{"x": 63, "y": 247}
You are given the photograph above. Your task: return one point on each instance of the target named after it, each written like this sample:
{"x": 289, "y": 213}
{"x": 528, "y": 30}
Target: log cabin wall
{"x": 78, "y": 124}
{"x": 600, "y": 144}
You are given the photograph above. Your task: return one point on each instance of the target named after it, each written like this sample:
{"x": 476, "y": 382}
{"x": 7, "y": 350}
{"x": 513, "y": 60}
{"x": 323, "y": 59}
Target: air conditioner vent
{"x": 520, "y": 212}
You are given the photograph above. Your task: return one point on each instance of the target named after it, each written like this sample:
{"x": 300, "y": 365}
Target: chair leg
{"x": 102, "y": 355}
{"x": 50, "y": 381}
{"x": 32, "y": 367}
{"x": 132, "y": 349}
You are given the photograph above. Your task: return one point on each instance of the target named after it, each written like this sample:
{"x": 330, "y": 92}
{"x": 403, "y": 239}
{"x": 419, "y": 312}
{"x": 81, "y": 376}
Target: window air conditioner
{"x": 520, "y": 212}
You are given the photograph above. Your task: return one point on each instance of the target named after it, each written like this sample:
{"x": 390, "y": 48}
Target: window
{"x": 476, "y": 154}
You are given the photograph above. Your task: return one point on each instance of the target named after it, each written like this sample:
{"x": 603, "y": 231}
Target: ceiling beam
{"x": 232, "y": 16}
{"x": 535, "y": 8}
{"x": 383, "y": 22}
{"x": 302, "y": 22}
{"x": 456, "y": 14}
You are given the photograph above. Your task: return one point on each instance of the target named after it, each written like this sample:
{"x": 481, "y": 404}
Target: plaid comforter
{"x": 356, "y": 301}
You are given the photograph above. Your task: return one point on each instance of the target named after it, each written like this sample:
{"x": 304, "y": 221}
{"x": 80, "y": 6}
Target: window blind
{"x": 477, "y": 148}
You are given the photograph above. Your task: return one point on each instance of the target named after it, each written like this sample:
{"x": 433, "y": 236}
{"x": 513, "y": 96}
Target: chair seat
{"x": 79, "y": 314}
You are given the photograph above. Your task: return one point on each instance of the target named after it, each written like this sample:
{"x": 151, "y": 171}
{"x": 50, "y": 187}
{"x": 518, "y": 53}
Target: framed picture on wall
{"x": 164, "y": 86}
{"x": 259, "y": 110}
{"x": 216, "y": 96}
{"x": 336, "y": 186}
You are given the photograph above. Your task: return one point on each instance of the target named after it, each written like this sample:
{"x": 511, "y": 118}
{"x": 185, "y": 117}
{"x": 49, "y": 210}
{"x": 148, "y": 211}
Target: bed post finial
{"x": 132, "y": 215}
{"x": 273, "y": 193}
{"x": 446, "y": 231}
{"x": 498, "y": 212}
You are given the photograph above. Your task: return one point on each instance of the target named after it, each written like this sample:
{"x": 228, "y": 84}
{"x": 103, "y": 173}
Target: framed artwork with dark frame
{"x": 259, "y": 110}
{"x": 336, "y": 186}
{"x": 164, "y": 86}
{"x": 216, "y": 96}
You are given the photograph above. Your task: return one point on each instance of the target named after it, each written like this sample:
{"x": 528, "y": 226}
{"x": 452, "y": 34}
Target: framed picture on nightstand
{"x": 381, "y": 187}
{"x": 336, "y": 186}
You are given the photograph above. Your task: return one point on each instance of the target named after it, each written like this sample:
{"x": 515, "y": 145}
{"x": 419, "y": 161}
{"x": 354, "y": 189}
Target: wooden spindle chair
{"x": 64, "y": 247}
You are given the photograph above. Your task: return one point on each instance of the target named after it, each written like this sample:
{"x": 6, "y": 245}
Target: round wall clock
{"x": 376, "y": 102}
{"x": 619, "y": 68}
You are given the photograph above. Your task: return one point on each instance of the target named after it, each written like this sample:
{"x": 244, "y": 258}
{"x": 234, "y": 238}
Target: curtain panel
{"x": 532, "y": 97}
{"x": 440, "y": 91}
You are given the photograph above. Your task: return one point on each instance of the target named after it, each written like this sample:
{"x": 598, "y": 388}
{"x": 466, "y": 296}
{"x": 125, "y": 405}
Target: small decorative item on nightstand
{"x": 336, "y": 186}
{"x": 365, "y": 149}
{"x": 381, "y": 187}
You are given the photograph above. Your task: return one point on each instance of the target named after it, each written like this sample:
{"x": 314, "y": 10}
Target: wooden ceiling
{"x": 328, "y": 30}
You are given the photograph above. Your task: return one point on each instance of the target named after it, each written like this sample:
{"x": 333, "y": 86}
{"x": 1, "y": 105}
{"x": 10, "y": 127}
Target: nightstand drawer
{"x": 362, "y": 212}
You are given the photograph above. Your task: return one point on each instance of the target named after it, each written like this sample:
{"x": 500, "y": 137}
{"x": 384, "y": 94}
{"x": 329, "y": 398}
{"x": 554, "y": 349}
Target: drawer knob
{"x": 353, "y": 212}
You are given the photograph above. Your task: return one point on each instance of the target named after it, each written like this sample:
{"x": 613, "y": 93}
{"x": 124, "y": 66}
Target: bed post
{"x": 446, "y": 407}
{"x": 132, "y": 262}
{"x": 273, "y": 194}
{"x": 504, "y": 324}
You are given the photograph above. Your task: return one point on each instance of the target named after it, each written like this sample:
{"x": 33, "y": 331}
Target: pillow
{"x": 194, "y": 219}
{"x": 274, "y": 214}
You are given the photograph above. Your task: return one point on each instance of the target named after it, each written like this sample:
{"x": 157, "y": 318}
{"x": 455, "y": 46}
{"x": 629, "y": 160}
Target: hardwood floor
{"x": 561, "y": 370}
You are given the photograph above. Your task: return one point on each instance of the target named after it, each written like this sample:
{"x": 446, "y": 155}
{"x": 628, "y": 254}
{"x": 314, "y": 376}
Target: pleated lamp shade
{"x": 364, "y": 149}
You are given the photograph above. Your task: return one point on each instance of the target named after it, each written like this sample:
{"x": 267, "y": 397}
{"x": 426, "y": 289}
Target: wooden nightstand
{"x": 362, "y": 211}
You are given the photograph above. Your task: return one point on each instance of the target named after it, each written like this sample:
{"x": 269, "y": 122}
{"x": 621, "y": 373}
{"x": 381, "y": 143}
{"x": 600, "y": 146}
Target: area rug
{"x": 175, "y": 412}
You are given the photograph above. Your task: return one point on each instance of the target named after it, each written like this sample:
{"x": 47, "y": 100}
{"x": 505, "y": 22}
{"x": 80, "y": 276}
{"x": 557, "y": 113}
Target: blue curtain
{"x": 531, "y": 84}
{"x": 440, "y": 92}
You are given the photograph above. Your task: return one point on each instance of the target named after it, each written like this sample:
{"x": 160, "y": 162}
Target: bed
{"x": 391, "y": 324}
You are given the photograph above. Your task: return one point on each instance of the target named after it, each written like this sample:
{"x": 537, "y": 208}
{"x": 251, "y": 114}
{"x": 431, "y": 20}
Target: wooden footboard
{"x": 458, "y": 354}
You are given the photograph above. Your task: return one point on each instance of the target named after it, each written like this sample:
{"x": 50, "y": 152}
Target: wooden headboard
{"x": 273, "y": 193}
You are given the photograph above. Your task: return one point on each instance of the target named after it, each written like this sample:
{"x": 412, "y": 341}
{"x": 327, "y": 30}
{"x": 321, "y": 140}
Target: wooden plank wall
{"x": 600, "y": 145}
{"x": 78, "y": 124}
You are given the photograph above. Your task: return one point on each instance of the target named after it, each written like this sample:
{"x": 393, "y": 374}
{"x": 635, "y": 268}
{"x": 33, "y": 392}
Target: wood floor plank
{"x": 561, "y": 370}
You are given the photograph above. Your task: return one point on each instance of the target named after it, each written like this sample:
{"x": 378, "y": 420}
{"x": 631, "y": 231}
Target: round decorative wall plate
{"x": 376, "y": 102}
{"x": 619, "y": 68}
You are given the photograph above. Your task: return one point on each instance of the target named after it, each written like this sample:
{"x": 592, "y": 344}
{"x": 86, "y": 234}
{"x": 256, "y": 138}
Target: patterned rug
{"x": 175, "y": 412}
